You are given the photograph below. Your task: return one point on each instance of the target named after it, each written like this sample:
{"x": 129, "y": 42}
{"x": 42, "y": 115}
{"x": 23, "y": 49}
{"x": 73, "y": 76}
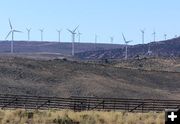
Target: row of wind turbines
{"x": 13, "y": 31}
{"x": 73, "y": 33}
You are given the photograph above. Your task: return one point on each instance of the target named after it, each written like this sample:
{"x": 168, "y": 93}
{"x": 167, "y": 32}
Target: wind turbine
{"x": 79, "y": 36}
{"x": 73, "y": 32}
{"x": 165, "y": 36}
{"x": 42, "y": 31}
{"x": 126, "y": 42}
{"x": 111, "y": 39}
{"x": 59, "y": 35}
{"x": 154, "y": 33}
{"x": 142, "y": 31}
{"x": 28, "y": 31}
{"x": 12, "y": 31}
{"x": 95, "y": 40}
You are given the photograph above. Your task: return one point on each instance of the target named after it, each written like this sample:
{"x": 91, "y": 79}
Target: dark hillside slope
{"x": 167, "y": 48}
{"x": 67, "y": 78}
{"x": 52, "y": 47}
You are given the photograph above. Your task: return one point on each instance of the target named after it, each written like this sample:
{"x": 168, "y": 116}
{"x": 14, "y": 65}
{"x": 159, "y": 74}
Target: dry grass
{"x": 86, "y": 117}
{"x": 70, "y": 78}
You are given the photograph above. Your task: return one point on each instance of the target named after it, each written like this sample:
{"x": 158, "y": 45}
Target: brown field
{"x": 65, "y": 78}
{"x": 85, "y": 117}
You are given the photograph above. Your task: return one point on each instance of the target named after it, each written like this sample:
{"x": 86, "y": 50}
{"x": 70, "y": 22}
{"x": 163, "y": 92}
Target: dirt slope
{"x": 67, "y": 78}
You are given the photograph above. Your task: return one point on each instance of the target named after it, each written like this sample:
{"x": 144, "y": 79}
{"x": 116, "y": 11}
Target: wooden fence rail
{"x": 86, "y": 103}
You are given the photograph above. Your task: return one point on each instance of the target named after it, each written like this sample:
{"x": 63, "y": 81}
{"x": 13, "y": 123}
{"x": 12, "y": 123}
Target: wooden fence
{"x": 86, "y": 103}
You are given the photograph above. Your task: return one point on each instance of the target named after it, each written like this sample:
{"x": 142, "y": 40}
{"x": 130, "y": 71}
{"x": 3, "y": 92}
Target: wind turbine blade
{"x": 17, "y": 31}
{"x": 124, "y": 37}
{"x": 76, "y": 28}
{"x": 8, "y": 34}
{"x": 129, "y": 41}
{"x": 10, "y": 24}
{"x": 70, "y": 31}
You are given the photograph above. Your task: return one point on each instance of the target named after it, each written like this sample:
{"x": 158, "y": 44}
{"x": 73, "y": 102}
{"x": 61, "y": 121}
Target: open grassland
{"x": 85, "y": 117}
{"x": 65, "y": 78}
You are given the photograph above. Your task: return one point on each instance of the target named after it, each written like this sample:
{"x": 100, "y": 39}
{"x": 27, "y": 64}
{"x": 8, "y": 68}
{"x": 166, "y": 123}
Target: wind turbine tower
{"x": 28, "y": 31}
{"x": 95, "y": 40}
{"x": 111, "y": 39}
{"x": 165, "y": 36}
{"x": 154, "y": 34}
{"x": 79, "y": 36}
{"x": 12, "y": 31}
{"x": 59, "y": 35}
{"x": 73, "y": 32}
{"x": 126, "y": 42}
{"x": 42, "y": 31}
{"x": 142, "y": 31}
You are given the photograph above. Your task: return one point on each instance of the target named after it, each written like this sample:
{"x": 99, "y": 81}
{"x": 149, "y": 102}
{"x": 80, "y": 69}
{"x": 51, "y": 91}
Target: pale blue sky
{"x": 104, "y": 17}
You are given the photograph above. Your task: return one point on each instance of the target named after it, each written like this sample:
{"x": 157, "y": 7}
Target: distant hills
{"x": 53, "y": 47}
{"x": 91, "y": 51}
{"x": 166, "y": 48}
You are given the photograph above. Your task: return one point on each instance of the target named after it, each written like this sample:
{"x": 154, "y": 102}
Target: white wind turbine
{"x": 59, "y": 35}
{"x": 165, "y": 36}
{"x": 12, "y": 31}
{"x": 143, "y": 32}
{"x": 79, "y": 36}
{"x": 95, "y": 40}
{"x": 42, "y": 31}
{"x": 154, "y": 34}
{"x": 73, "y": 32}
{"x": 111, "y": 40}
{"x": 126, "y": 42}
{"x": 28, "y": 33}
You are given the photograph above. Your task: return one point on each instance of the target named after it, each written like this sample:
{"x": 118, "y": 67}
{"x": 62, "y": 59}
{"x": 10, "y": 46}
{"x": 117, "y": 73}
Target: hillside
{"x": 167, "y": 48}
{"x": 71, "y": 78}
{"x": 53, "y": 47}
{"x": 156, "y": 64}
{"x": 90, "y": 51}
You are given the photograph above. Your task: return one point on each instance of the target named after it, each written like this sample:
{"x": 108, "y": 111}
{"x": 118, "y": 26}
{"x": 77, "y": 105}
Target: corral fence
{"x": 86, "y": 103}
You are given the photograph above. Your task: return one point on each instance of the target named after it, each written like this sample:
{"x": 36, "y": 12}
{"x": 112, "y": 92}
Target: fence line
{"x": 86, "y": 103}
